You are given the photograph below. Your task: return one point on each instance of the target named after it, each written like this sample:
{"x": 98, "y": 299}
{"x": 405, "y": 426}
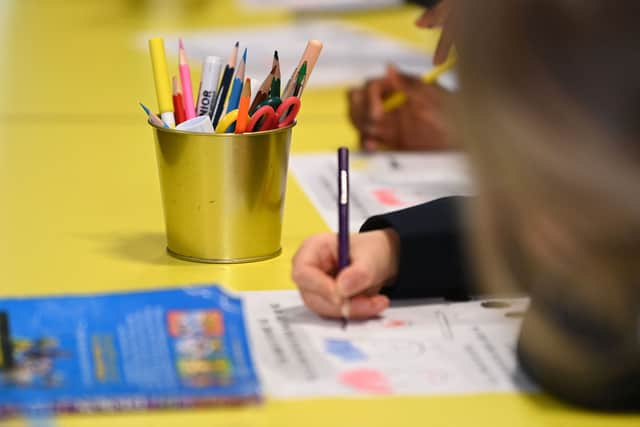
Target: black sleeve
{"x": 433, "y": 262}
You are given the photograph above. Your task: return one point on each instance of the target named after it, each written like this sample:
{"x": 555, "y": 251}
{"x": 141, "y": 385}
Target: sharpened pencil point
{"x": 180, "y": 44}
{"x": 237, "y": 44}
{"x": 275, "y": 55}
{"x": 244, "y": 55}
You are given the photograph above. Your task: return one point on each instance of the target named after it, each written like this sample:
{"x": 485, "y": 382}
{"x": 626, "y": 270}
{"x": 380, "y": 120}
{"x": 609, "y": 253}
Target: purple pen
{"x": 343, "y": 221}
{"x": 343, "y": 208}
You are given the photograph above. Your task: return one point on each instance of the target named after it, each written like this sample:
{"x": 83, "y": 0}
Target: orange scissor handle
{"x": 270, "y": 120}
{"x": 266, "y": 118}
{"x": 287, "y": 111}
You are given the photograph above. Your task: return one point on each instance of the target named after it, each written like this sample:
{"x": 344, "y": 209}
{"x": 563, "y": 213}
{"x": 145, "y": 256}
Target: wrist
{"x": 392, "y": 244}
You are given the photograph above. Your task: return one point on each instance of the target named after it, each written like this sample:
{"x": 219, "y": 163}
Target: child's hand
{"x": 373, "y": 263}
{"x": 419, "y": 124}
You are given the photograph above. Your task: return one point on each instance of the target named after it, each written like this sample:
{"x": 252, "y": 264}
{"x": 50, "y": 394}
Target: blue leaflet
{"x": 167, "y": 348}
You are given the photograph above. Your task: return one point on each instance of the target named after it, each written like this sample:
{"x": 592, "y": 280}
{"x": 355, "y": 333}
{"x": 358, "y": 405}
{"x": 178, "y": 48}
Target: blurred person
{"x": 422, "y": 123}
{"x": 550, "y": 118}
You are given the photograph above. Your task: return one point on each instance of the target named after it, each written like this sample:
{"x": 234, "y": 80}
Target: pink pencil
{"x": 185, "y": 79}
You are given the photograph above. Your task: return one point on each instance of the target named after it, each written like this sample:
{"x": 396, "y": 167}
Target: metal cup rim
{"x": 226, "y": 135}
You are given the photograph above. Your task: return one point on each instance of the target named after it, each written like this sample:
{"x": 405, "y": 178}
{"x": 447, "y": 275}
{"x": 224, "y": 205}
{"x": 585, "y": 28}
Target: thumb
{"x": 355, "y": 279}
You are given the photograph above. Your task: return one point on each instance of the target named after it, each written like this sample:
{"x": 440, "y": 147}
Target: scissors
{"x": 270, "y": 117}
{"x": 272, "y": 114}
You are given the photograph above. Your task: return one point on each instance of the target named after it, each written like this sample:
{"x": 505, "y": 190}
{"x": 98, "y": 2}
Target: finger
{"x": 379, "y": 135}
{"x": 434, "y": 17}
{"x": 355, "y": 279}
{"x": 319, "y": 251}
{"x": 315, "y": 281}
{"x": 357, "y": 107}
{"x": 370, "y": 144}
{"x": 374, "y": 94}
{"x": 444, "y": 44}
{"x": 366, "y": 307}
{"x": 361, "y": 307}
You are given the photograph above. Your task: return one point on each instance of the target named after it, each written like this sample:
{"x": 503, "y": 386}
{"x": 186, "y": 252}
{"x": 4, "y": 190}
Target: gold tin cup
{"x": 223, "y": 194}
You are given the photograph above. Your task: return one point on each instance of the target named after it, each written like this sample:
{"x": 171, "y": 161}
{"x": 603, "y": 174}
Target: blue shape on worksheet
{"x": 345, "y": 350}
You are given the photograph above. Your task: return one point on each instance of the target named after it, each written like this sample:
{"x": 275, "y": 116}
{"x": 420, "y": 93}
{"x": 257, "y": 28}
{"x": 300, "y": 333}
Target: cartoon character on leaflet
{"x": 33, "y": 363}
{"x": 198, "y": 342}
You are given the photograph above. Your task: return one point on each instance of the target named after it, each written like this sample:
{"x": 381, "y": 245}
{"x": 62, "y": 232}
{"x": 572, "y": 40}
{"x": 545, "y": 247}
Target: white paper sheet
{"x": 380, "y": 182}
{"x": 321, "y": 5}
{"x": 350, "y": 55}
{"x": 424, "y": 349}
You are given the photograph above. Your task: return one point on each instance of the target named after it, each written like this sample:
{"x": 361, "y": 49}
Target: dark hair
{"x": 550, "y": 104}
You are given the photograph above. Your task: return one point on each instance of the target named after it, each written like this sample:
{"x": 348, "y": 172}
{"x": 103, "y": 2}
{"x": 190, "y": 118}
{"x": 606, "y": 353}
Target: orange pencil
{"x": 243, "y": 107}
{"x": 178, "y": 103}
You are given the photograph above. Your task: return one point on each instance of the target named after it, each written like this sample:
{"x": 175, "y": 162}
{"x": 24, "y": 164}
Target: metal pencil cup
{"x": 223, "y": 194}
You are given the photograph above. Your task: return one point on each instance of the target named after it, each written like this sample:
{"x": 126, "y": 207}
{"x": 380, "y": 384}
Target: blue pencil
{"x": 224, "y": 86}
{"x": 236, "y": 90}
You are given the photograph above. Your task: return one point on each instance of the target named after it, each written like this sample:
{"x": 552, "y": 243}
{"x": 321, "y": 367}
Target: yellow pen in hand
{"x": 398, "y": 98}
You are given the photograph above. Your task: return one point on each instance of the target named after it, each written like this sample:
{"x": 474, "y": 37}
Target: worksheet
{"x": 423, "y": 348}
{"x": 380, "y": 182}
{"x": 350, "y": 55}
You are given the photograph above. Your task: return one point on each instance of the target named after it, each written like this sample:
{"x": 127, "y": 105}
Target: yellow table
{"x": 80, "y": 203}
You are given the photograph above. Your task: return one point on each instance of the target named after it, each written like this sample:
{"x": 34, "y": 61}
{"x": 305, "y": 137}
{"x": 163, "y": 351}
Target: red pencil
{"x": 178, "y": 103}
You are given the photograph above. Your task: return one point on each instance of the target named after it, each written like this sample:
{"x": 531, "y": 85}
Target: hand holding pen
{"x": 342, "y": 277}
{"x": 374, "y": 259}
{"x": 418, "y": 123}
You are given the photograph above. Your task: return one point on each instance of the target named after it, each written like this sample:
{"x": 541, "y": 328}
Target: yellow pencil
{"x": 162, "y": 80}
{"x": 398, "y": 98}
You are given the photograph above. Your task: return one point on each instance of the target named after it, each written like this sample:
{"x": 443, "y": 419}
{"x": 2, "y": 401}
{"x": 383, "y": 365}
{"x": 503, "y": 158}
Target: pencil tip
{"x": 244, "y": 55}
{"x": 180, "y": 44}
{"x": 275, "y": 55}
{"x": 237, "y": 44}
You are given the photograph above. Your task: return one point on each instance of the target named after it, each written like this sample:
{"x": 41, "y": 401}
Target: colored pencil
{"x": 152, "y": 117}
{"x": 263, "y": 92}
{"x": 297, "y": 90}
{"x": 162, "y": 80}
{"x": 178, "y": 102}
{"x": 225, "y": 83}
{"x": 238, "y": 82}
{"x": 310, "y": 55}
{"x": 243, "y": 107}
{"x": 275, "y": 84}
{"x": 185, "y": 79}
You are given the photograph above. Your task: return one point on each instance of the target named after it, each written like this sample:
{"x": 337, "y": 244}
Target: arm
{"x": 433, "y": 260}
